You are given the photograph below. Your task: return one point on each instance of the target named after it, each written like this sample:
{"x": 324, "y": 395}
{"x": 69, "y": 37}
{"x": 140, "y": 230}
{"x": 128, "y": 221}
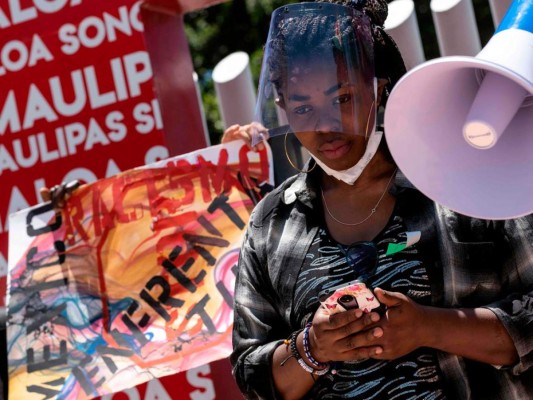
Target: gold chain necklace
{"x": 372, "y": 212}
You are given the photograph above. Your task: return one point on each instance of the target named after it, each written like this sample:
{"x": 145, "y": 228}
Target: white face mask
{"x": 351, "y": 174}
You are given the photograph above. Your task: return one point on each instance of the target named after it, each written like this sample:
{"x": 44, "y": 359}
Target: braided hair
{"x": 388, "y": 60}
{"x": 300, "y": 39}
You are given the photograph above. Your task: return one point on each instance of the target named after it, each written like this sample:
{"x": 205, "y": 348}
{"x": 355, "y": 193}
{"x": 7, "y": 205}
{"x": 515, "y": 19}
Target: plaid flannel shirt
{"x": 480, "y": 264}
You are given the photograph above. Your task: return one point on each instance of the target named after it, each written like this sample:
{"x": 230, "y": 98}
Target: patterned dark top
{"x": 477, "y": 264}
{"x": 400, "y": 268}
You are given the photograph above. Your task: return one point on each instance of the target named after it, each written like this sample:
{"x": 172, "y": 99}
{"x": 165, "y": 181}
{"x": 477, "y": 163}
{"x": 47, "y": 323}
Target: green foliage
{"x": 215, "y": 32}
{"x": 242, "y": 25}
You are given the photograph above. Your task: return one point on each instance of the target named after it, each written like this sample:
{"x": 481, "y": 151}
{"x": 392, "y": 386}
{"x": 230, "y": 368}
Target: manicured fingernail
{"x": 377, "y": 332}
{"x": 374, "y": 317}
{"x": 358, "y": 313}
{"x": 378, "y": 351}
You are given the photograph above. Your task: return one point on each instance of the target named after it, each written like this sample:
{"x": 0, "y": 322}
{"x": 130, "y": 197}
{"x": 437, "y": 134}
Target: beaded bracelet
{"x": 307, "y": 350}
{"x": 296, "y": 354}
{"x": 288, "y": 344}
{"x": 294, "y": 348}
{"x": 311, "y": 370}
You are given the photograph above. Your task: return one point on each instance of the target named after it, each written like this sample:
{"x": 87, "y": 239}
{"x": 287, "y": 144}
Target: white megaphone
{"x": 461, "y": 128}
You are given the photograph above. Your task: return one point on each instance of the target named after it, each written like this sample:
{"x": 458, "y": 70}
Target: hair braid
{"x": 389, "y": 63}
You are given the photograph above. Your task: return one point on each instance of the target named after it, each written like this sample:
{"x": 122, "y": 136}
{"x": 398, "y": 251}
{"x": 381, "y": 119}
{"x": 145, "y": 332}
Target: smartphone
{"x": 348, "y": 296}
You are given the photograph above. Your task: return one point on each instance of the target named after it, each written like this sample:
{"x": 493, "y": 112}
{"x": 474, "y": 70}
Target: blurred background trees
{"x": 242, "y": 25}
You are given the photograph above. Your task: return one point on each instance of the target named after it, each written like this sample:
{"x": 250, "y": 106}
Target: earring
{"x": 290, "y": 161}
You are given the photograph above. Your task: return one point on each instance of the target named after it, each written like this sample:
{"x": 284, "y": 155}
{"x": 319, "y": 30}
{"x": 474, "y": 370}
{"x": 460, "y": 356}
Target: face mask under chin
{"x": 350, "y": 175}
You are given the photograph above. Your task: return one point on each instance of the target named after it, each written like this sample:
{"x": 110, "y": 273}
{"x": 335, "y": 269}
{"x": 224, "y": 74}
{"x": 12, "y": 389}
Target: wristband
{"x": 296, "y": 354}
{"x": 307, "y": 350}
{"x": 311, "y": 370}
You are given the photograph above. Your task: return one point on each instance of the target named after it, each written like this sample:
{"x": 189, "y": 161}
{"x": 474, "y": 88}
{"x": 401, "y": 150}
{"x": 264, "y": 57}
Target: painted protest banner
{"x": 76, "y": 99}
{"x": 133, "y": 278}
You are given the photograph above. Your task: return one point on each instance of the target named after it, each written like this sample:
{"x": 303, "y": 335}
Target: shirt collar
{"x": 305, "y": 187}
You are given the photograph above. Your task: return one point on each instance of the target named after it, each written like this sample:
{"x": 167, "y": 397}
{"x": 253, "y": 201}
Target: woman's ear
{"x": 382, "y": 82}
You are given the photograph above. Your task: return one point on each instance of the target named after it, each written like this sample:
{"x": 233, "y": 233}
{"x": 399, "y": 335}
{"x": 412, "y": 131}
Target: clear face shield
{"x": 317, "y": 73}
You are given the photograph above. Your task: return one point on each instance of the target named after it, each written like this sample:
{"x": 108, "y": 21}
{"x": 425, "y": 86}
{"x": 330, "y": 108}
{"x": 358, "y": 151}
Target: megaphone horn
{"x": 461, "y": 128}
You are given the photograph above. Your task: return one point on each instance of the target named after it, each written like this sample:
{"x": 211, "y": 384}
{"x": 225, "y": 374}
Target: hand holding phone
{"x": 352, "y": 295}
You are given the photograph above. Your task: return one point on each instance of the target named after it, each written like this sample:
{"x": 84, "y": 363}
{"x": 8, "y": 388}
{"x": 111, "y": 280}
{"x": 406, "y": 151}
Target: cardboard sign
{"x": 134, "y": 278}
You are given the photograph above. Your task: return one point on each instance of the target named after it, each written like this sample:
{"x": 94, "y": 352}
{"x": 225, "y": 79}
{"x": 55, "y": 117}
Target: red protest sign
{"x": 207, "y": 382}
{"x": 76, "y": 100}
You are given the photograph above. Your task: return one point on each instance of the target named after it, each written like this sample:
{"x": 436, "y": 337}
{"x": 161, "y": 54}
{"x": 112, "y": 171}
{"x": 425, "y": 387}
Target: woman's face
{"x": 328, "y": 114}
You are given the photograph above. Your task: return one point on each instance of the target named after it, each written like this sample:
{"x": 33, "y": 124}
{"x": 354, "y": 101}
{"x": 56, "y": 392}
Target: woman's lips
{"x": 335, "y": 150}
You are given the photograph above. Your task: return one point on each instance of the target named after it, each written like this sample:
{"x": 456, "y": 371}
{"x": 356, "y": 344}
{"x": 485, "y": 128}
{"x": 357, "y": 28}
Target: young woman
{"x": 459, "y": 312}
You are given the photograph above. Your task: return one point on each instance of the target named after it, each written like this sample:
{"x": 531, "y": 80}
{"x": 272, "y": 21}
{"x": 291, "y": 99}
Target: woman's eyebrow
{"x": 332, "y": 89}
{"x": 298, "y": 97}
{"x": 336, "y": 87}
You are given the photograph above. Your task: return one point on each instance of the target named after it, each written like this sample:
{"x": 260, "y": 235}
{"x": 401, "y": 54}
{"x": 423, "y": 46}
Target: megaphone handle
{"x": 496, "y": 103}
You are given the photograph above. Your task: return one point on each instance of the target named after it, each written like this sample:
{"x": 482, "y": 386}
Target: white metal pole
{"x": 202, "y": 110}
{"x": 235, "y": 89}
{"x": 402, "y": 25}
{"x": 498, "y": 8}
{"x": 456, "y": 28}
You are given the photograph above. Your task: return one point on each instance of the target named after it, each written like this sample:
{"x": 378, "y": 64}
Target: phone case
{"x": 345, "y": 297}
